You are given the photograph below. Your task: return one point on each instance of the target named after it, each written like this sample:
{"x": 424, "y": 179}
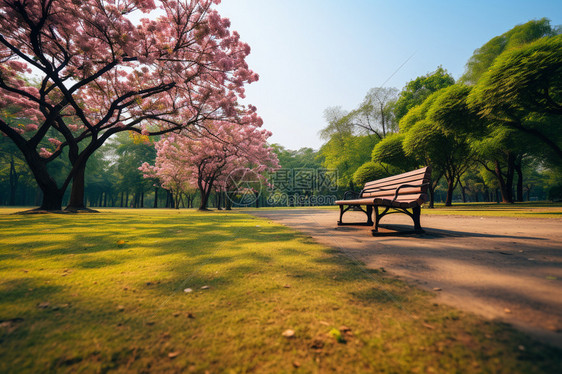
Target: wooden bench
{"x": 395, "y": 194}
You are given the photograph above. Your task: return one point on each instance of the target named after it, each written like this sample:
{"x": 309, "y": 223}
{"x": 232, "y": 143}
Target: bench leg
{"x": 369, "y": 215}
{"x": 377, "y": 219}
{"x": 368, "y": 212}
{"x": 340, "y": 222}
{"x": 416, "y": 217}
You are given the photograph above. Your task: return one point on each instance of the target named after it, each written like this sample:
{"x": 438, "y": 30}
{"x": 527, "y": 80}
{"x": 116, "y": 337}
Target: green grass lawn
{"x": 106, "y": 292}
{"x": 517, "y": 210}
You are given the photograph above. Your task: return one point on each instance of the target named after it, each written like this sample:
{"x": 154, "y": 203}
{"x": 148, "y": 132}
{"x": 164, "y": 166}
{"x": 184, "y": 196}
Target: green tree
{"x": 484, "y": 57}
{"x": 439, "y": 136}
{"x": 419, "y": 89}
{"x": 132, "y": 151}
{"x": 523, "y": 91}
{"x": 346, "y": 153}
{"x": 300, "y": 159}
{"x": 344, "y": 150}
{"x": 375, "y": 114}
{"x": 372, "y": 171}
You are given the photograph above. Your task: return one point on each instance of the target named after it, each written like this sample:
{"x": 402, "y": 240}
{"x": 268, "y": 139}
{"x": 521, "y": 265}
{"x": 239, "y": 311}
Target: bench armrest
{"x": 408, "y": 186}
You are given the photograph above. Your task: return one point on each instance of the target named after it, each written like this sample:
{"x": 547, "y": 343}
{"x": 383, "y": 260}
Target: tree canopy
{"x": 101, "y": 72}
{"x": 523, "y": 90}
{"x": 419, "y": 89}
{"x": 485, "y": 56}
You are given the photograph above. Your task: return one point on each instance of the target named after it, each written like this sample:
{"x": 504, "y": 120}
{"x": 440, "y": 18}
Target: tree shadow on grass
{"x": 242, "y": 264}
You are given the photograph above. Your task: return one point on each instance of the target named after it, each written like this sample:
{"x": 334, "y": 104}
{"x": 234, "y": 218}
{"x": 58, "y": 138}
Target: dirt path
{"x": 501, "y": 268}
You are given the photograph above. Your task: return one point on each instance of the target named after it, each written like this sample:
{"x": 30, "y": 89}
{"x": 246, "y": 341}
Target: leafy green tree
{"x": 299, "y": 159}
{"x": 484, "y": 57}
{"x": 346, "y": 153}
{"x": 439, "y": 136}
{"x": 372, "y": 171}
{"x": 345, "y": 150}
{"x": 132, "y": 151}
{"x": 523, "y": 91}
{"x": 338, "y": 123}
{"x": 390, "y": 152}
{"x": 375, "y": 114}
{"x": 419, "y": 89}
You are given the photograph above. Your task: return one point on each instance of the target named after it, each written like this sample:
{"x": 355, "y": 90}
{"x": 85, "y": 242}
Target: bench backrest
{"x": 386, "y": 187}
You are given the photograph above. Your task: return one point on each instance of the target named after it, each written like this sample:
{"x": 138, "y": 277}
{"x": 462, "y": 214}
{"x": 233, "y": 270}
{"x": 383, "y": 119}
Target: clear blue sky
{"x": 313, "y": 54}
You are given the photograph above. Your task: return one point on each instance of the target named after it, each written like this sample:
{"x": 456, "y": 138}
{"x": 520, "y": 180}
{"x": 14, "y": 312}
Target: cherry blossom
{"x": 206, "y": 157}
{"x": 99, "y": 70}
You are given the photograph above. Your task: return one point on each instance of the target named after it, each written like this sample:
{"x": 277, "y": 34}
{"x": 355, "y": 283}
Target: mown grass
{"x": 516, "y": 210}
{"x": 105, "y": 292}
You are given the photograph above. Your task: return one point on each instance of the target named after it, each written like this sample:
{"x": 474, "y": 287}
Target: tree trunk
{"x": 52, "y": 194}
{"x": 450, "y": 188}
{"x": 13, "y": 182}
{"x": 519, "y": 170}
{"x": 204, "y": 199}
{"x": 431, "y": 196}
{"x": 463, "y": 192}
{"x": 505, "y": 194}
{"x": 228, "y": 202}
{"x": 155, "y": 197}
{"x": 510, "y": 176}
{"x": 76, "y": 202}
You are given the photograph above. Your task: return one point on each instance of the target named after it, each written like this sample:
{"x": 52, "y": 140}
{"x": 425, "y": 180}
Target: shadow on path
{"x": 501, "y": 268}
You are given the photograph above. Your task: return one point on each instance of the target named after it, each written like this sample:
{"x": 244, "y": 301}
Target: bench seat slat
{"x": 403, "y": 191}
{"x": 406, "y": 201}
{"x": 420, "y": 172}
{"x": 410, "y": 181}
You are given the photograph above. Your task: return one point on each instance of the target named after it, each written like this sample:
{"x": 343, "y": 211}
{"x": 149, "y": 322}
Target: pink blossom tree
{"x": 208, "y": 156}
{"x": 172, "y": 178}
{"x": 100, "y": 72}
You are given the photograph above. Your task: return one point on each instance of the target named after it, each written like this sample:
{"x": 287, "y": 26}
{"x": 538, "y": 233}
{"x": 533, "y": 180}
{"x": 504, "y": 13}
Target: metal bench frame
{"x": 371, "y": 204}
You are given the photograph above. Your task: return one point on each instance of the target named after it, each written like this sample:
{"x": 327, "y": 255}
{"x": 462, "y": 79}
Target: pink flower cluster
{"x": 102, "y": 71}
{"x": 205, "y": 158}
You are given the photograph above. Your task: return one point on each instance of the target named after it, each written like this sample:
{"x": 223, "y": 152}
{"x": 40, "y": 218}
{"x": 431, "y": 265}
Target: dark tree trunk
{"x": 510, "y": 176}
{"x": 450, "y": 188}
{"x": 52, "y": 194}
{"x": 77, "y": 192}
{"x": 218, "y": 200}
{"x": 13, "y": 182}
{"x": 205, "y": 191}
{"x": 463, "y": 191}
{"x": 519, "y": 170}
{"x": 122, "y": 196}
{"x": 431, "y": 196}
{"x": 504, "y": 187}
{"x": 228, "y": 202}
{"x": 204, "y": 199}
{"x": 155, "y": 197}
